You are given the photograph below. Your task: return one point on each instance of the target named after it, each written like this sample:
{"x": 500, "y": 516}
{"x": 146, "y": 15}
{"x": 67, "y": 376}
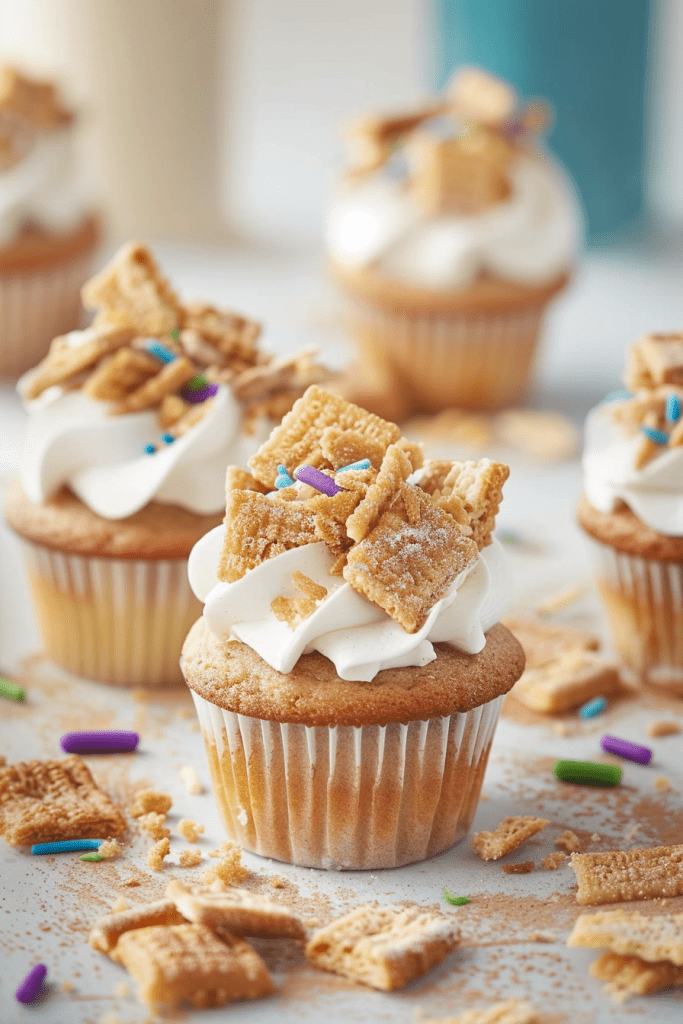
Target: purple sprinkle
{"x": 313, "y": 477}
{"x": 110, "y": 741}
{"x": 202, "y": 394}
{"x": 624, "y": 748}
{"x": 30, "y": 986}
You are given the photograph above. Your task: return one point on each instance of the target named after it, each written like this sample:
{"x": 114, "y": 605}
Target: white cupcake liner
{"x": 35, "y": 307}
{"x": 470, "y": 361}
{"x": 643, "y": 601}
{"x": 120, "y": 621}
{"x": 345, "y": 797}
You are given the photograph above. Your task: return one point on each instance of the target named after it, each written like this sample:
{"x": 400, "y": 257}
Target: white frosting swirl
{"x": 358, "y": 637}
{"x": 654, "y": 492}
{"x": 74, "y": 440}
{"x": 45, "y": 186}
{"x": 528, "y": 238}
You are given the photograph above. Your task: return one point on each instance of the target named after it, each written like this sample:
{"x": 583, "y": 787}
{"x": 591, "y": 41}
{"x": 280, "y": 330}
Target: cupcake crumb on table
{"x": 189, "y": 829}
{"x": 157, "y": 854}
{"x": 153, "y": 824}
{"x": 148, "y": 801}
{"x": 190, "y": 858}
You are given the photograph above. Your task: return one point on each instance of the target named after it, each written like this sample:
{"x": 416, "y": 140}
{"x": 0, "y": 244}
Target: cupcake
{"x": 48, "y": 232}
{"x": 349, "y": 667}
{"x": 451, "y": 233}
{"x": 131, "y": 424}
{"x": 632, "y": 510}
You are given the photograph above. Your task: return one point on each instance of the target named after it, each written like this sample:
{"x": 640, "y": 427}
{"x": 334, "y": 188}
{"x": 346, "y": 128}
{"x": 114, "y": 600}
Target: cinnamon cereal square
{"x": 131, "y": 292}
{"x": 544, "y": 644}
{"x": 108, "y": 930}
{"x": 620, "y": 875}
{"x": 297, "y": 441}
{"x": 508, "y": 836}
{"x": 395, "y": 469}
{"x": 655, "y": 359}
{"x": 384, "y": 947}
{"x": 65, "y": 359}
{"x": 170, "y": 378}
{"x": 47, "y": 801}
{"x": 124, "y": 372}
{"x": 234, "y": 336}
{"x": 405, "y": 567}
{"x": 632, "y": 934}
{"x": 190, "y": 963}
{"x": 567, "y": 683}
{"x": 236, "y": 911}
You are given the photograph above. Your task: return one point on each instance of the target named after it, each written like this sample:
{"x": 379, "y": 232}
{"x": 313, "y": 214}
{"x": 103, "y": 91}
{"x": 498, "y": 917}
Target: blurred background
{"x": 218, "y": 119}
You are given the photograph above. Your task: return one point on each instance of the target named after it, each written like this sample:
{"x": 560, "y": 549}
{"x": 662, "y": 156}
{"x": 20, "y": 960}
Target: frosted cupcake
{"x": 131, "y": 423}
{"x": 48, "y": 231}
{"x": 632, "y": 509}
{"x": 349, "y": 667}
{"x": 451, "y": 233}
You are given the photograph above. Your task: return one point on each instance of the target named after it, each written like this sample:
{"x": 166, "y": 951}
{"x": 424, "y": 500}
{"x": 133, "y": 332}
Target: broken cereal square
{"x": 235, "y": 910}
{"x": 620, "y": 875}
{"x": 631, "y": 933}
{"x": 509, "y": 835}
{"x": 629, "y": 975}
{"x": 132, "y": 293}
{"x": 107, "y": 931}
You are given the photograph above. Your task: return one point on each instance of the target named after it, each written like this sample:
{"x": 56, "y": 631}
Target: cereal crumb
{"x": 190, "y": 779}
{"x": 663, "y": 728}
{"x": 190, "y": 858}
{"x": 189, "y": 830}
{"x": 148, "y": 800}
{"x": 153, "y": 824}
{"x": 569, "y": 842}
{"x": 155, "y": 857}
{"x": 662, "y": 783}
{"x": 509, "y": 835}
{"x": 118, "y": 905}
{"x": 110, "y": 849}
{"x": 229, "y": 868}
{"x": 553, "y": 861}
{"x": 519, "y": 869}
{"x": 67, "y": 986}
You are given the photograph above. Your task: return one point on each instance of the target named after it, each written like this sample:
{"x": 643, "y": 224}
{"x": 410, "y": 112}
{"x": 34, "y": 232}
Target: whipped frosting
{"x": 357, "y": 636}
{"x": 45, "y": 186}
{"x": 654, "y": 492}
{"x": 528, "y": 238}
{"x": 74, "y": 440}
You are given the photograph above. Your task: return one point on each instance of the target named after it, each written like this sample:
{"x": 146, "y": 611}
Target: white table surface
{"x": 48, "y": 904}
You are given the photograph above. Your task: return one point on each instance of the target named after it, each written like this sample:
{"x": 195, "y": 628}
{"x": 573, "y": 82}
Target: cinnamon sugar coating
{"x": 232, "y": 676}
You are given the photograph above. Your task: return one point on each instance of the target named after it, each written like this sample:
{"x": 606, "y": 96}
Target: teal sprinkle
{"x": 167, "y": 438}
{"x": 620, "y": 395}
{"x": 658, "y": 436}
{"x": 593, "y": 707}
{"x": 283, "y": 479}
{"x": 361, "y": 464}
{"x": 150, "y": 449}
{"x": 673, "y": 409}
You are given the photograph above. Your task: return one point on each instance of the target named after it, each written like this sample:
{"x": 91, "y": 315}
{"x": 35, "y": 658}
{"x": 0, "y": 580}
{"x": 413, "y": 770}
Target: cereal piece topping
{"x": 406, "y": 567}
{"x": 480, "y": 97}
{"x": 37, "y": 103}
{"x": 107, "y": 931}
{"x": 147, "y": 800}
{"x": 171, "y": 410}
{"x": 190, "y": 858}
{"x": 523, "y": 868}
{"x": 66, "y": 359}
{"x": 156, "y": 855}
{"x": 512, "y": 1011}
{"x": 631, "y": 933}
{"x": 653, "y": 360}
{"x": 344, "y": 447}
{"x": 169, "y": 378}
{"x": 508, "y": 836}
{"x": 294, "y": 610}
{"x": 237, "y": 479}
{"x": 566, "y": 683}
{"x": 190, "y": 779}
{"x": 639, "y": 874}
{"x": 395, "y": 469}
{"x": 663, "y": 728}
{"x": 629, "y": 975}
{"x": 297, "y": 440}
{"x": 235, "y": 910}
{"x": 189, "y": 963}
{"x": 131, "y": 292}
{"x": 124, "y": 372}
{"x": 234, "y": 336}
{"x": 44, "y": 801}
{"x": 469, "y": 491}
{"x": 371, "y": 139}
{"x": 385, "y": 947}
{"x": 190, "y": 830}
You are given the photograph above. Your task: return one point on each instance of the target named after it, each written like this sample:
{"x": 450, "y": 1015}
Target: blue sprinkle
{"x": 620, "y": 395}
{"x": 160, "y": 351}
{"x": 150, "y": 449}
{"x": 658, "y": 436}
{"x": 673, "y": 409}
{"x": 283, "y": 479}
{"x": 167, "y": 438}
{"x": 593, "y": 707}
{"x": 361, "y": 464}
{"x": 67, "y": 846}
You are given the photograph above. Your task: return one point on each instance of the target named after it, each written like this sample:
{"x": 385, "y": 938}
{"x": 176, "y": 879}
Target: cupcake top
{"x": 456, "y": 191}
{"x": 40, "y": 183}
{"x": 342, "y": 540}
{"x": 634, "y": 439}
{"x": 152, "y": 400}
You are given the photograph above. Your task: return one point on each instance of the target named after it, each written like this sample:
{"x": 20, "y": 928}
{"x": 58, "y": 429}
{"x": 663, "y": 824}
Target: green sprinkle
{"x": 11, "y": 690}
{"x": 588, "y": 773}
{"x": 91, "y": 856}
{"x": 175, "y": 334}
{"x": 455, "y": 901}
